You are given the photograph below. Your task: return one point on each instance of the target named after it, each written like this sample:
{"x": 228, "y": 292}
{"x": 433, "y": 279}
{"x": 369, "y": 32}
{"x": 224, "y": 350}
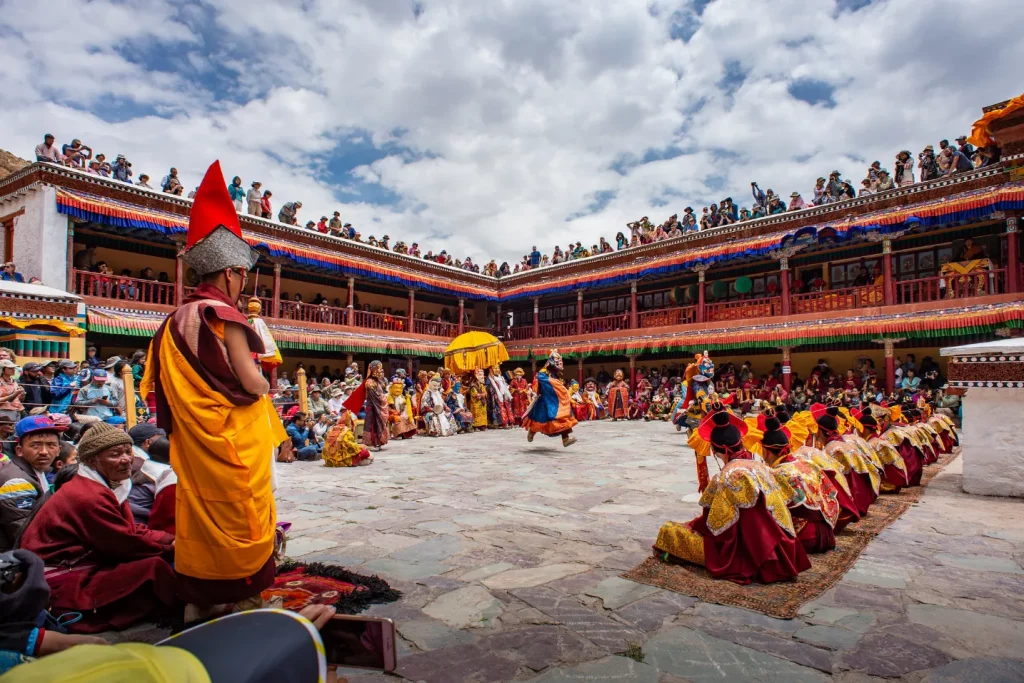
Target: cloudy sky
{"x": 486, "y": 126}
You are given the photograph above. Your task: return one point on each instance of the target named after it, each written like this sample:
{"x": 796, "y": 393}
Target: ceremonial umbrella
{"x": 474, "y": 350}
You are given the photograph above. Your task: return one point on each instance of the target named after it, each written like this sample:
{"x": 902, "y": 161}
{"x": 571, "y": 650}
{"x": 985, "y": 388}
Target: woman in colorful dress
{"x": 341, "y": 449}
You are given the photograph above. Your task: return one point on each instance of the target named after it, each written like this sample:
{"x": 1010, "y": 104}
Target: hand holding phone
{"x": 360, "y": 642}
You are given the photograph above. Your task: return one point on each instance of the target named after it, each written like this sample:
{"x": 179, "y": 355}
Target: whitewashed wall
{"x": 993, "y": 445}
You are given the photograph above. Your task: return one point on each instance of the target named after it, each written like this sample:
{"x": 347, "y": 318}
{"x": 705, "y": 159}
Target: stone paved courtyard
{"x": 508, "y": 555}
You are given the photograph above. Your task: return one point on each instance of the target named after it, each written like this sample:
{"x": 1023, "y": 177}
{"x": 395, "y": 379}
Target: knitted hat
{"x": 99, "y": 438}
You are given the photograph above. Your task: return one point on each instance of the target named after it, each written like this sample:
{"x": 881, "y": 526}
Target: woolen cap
{"x": 99, "y": 438}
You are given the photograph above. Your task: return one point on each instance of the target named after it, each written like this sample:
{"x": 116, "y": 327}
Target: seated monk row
{"x": 761, "y": 519}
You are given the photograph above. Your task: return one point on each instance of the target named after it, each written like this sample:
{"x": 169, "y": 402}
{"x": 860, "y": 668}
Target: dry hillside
{"x": 10, "y": 163}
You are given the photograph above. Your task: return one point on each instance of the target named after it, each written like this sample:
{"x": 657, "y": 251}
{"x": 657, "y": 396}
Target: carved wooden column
{"x": 462, "y": 308}
{"x": 350, "y": 309}
{"x": 275, "y": 302}
{"x": 787, "y": 376}
{"x": 1012, "y": 257}
{"x": 579, "y": 312}
{"x": 700, "y": 293}
{"x": 633, "y": 314}
{"x": 536, "y": 317}
{"x": 412, "y": 309}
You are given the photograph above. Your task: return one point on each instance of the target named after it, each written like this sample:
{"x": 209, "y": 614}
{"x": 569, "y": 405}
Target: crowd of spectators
{"x": 255, "y": 201}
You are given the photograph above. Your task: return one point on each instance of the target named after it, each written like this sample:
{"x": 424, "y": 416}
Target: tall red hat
{"x": 214, "y": 231}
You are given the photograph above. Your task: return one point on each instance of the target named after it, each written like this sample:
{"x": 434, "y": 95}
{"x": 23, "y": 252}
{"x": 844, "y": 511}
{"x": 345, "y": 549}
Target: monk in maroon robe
{"x": 745, "y": 532}
{"x": 99, "y": 562}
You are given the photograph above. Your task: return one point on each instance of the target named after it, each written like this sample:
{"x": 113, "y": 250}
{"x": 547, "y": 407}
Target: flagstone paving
{"x": 508, "y": 555}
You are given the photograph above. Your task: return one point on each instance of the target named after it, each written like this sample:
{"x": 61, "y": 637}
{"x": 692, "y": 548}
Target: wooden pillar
{"x": 275, "y": 301}
{"x": 179, "y": 278}
{"x": 273, "y": 379}
{"x": 1012, "y": 257}
{"x": 462, "y": 308}
{"x": 300, "y": 379}
{"x": 536, "y": 317}
{"x": 787, "y": 377}
{"x": 579, "y": 312}
{"x": 350, "y": 308}
{"x": 633, "y": 314}
{"x": 408, "y": 366}
{"x": 348, "y": 361}
{"x": 784, "y": 286}
{"x": 71, "y": 256}
{"x": 890, "y": 367}
{"x": 412, "y": 309}
{"x": 533, "y": 368}
{"x": 888, "y": 293}
{"x": 700, "y": 296}
{"x": 498, "y": 322}
{"x": 632, "y": 375}
{"x": 130, "y": 416}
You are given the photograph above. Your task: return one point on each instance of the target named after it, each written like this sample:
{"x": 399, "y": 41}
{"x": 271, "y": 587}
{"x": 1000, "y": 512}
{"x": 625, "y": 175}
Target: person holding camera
{"x": 122, "y": 169}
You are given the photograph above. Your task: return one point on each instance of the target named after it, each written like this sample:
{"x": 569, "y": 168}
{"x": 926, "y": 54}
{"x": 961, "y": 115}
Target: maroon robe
{"x": 98, "y": 560}
{"x": 913, "y": 460}
{"x": 161, "y": 516}
{"x": 755, "y": 548}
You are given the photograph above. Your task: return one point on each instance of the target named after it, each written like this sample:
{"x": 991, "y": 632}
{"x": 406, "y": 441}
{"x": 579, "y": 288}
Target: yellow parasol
{"x": 474, "y": 350}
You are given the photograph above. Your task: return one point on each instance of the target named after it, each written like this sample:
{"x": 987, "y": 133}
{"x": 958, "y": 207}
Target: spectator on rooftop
{"x": 946, "y": 158}
{"x": 252, "y": 199}
{"x": 966, "y": 153}
{"x": 122, "y": 169}
{"x": 10, "y": 273}
{"x": 105, "y": 169}
{"x": 143, "y": 181}
{"x": 865, "y": 188}
{"x": 289, "y": 213}
{"x": 926, "y": 162}
{"x": 383, "y": 244}
{"x": 47, "y": 151}
{"x": 620, "y": 241}
{"x": 796, "y": 202}
{"x": 904, "y": 169}
{"x": 237, "y": 193}
{"x": 820, "y": 192}
{"x": 321, "y": 225}
{"x": 171, "y": 184}
{"x": 76, "y": 154}
{"x": 335, "y": 225}
{"x": 534, "y": 257}
{"x": 884, "y": 181}
{"x": 776, "y": 205}
{"x": 310, "y": 225}
{"x": 266, "y": 211}
{"x": 759, "y": 196}
{"x": 93, "y": 168}
{"x": 872, "y": 177}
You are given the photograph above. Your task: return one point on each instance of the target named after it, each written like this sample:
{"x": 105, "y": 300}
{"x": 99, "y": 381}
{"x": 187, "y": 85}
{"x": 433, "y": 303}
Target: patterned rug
{"x": 783, "y": 600}
{"x": 299, "y": 585}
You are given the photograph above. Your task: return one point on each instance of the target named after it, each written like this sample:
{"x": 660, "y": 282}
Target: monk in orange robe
{"x": 212, "y": 401}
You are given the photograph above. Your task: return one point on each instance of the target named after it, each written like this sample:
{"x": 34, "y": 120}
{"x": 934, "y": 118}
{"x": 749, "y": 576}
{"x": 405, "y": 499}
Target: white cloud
{"x": 514, "y": 110}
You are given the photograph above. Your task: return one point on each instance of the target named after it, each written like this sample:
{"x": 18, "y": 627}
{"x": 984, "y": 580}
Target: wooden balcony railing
{"x": 608, "y": 323}
{"x": 312, "y": 313}
{"x": 955, "y": 287}
{"x": 683, "y": 315}
{"x": 518, "y": 333}
{"x": 744, "y": 308}
{"x": 837, "y": 299}
{"x": 380, "y": 321}
{"x": 558, "y": 330}
{"x": 435, "y": 328}
{"x": 123, "y": 288}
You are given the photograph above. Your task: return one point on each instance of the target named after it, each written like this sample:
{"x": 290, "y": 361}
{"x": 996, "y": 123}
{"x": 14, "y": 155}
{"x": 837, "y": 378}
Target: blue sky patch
{"x": 813, "y": 92}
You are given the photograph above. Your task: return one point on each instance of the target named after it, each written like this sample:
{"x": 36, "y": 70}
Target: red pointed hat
{"x": 212, "y": 208}
{"x": 214, "y": 231}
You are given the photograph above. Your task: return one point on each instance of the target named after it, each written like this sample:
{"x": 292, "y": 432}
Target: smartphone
{"x": 360, "y": 642}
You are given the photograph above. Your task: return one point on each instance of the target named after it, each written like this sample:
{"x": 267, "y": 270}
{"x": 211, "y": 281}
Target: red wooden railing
{"x": 313, "y": 313}
{"x": 123, "y": 288}
{"x": 955, "y": 287}
{"x": 518, "y": 333}
{"x": 607, "y": 323}
{"x": 683, "y": 315}
{"x": 435, "y": 328}
{"x": 837, "y": 299}
{"x": 380, "y": 321}
{"x": 744, "y": 308}
{"x": 555, "y": 330}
